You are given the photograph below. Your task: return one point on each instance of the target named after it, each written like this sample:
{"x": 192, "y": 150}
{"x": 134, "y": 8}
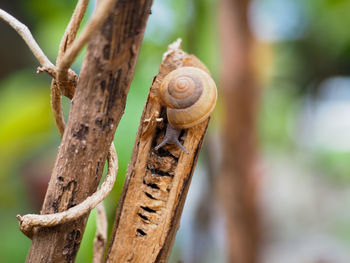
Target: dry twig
{"x": 23, "y": 31}
{"x": 69, "y": 50}
{"x": 72, "y": 28}
{"x": 67, "y": 88}
{"x": 27, "y": 36}
{"x": 94, "y": 24}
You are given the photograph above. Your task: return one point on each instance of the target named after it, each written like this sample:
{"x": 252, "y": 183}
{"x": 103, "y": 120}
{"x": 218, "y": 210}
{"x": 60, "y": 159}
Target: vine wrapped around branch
{"x": 30, "y": 221}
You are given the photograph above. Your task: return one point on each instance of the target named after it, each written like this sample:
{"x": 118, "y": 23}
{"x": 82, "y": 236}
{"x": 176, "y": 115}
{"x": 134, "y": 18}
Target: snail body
{"x": 190, "y": 95}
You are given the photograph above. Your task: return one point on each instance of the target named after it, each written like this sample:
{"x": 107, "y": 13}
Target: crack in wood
{"x": 160, "y": 173}
{"x": 106, "y": 51}
{"x": 148, "y": 209}
{"x": 143, "y": 217}
{"x": 141, "y": 232}
{"x": 153, "y": 185}
{"x": 68, "y": 193}
{"x": 113, "y": 89}
{"x": 150, "y": 196}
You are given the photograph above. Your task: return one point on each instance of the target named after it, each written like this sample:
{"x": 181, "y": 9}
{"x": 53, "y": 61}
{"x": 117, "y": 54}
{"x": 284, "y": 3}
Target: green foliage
{"x": 301, "y": 64}
{"x": 277, "y": 116}
{"x": 26, "y": 124}
{"x": 334, "y": 164}
{"x": 326, "y": 25}
{"x": 15, "y": 247}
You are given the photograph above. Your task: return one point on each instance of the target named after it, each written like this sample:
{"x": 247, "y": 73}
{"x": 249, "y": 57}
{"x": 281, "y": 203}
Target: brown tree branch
{"x": 28, "y": 222}
{"x": 157, "y": 182}
{"x": 238, "y": 181}
{"x": 97, "y": 107}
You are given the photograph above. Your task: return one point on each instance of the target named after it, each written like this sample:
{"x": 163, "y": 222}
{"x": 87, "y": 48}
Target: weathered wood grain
{"x": 157, "y": 182}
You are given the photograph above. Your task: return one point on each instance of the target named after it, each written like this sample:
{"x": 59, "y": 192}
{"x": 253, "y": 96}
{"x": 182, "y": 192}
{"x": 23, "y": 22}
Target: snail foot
{"x": 172, "y": 137}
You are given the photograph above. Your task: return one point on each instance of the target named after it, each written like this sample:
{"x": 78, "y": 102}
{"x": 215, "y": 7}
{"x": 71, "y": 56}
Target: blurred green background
{"x": 303, "y": 61}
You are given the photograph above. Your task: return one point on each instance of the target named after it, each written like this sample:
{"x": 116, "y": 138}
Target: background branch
{"x": 238, "y": 180}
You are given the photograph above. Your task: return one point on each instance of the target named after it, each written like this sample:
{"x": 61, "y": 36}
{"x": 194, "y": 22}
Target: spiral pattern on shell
{"x": 190, "y": 96}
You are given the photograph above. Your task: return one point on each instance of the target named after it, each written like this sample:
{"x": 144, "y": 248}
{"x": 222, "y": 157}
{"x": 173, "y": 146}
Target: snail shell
{"x": 190, "y": 96}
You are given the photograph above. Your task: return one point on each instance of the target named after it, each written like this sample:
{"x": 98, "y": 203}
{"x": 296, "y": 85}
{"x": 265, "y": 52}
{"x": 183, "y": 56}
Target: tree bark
{"x": 157, "y": 182}
{"x": 237, "y": 186}
{"x": 97, "y": 107}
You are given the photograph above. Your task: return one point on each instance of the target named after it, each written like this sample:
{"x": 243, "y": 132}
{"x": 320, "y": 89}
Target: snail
{"x": 189, "y": 94}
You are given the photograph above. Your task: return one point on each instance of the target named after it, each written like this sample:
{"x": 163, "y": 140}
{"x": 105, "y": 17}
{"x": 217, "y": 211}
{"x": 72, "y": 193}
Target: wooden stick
{"x": 97, "y": 107}
{"x": 157, "y": 182}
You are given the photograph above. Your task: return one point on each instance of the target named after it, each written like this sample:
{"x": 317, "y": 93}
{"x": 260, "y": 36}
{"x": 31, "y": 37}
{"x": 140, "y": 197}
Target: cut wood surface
{"x": 97, "y": 107}
{"x": 157, "y": 182}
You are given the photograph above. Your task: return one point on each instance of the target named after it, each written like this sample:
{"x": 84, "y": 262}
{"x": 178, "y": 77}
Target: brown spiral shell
{"x": 190, "y": 96}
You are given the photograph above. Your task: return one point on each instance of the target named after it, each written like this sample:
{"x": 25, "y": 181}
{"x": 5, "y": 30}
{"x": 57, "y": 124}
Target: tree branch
{"x": 28, "y": 222}
{"x": 97, "y": 107}
{"x": 239, "y": 177}
{"x": 157, "y": 182}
